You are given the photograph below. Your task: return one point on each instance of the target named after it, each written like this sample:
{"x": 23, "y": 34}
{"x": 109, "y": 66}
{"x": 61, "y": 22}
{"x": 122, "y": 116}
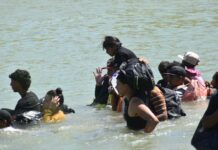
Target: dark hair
{"x": 23, "y": 77}
{"x": 110, "y": 62}
{"x": 188, "y": 65}
{"x": 57, "y": 92}
{"x": 163, "y": 66}
{"x": 137, "y": 75}
{"x": 111, "y": 42}
{"x": 5, "y": 115}
{"x": 174, "y": 63}
{"x": 215, "y": 77}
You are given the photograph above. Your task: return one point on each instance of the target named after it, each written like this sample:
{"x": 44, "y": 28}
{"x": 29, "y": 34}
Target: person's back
{"x": 206, "y": 134}
{"x": 27, "y": 103}
{"x": 123, "y": 54}
{"x": 211, "y": 115}
{"x": 157, "y": 103}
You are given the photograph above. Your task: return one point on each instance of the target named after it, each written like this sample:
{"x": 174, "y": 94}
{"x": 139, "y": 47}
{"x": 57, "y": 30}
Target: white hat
{"x": 190, "y": 57}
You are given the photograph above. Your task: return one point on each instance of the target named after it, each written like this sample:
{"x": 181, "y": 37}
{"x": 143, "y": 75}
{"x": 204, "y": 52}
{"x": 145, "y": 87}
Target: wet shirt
{"x": 101, "y": 92}
{"x": 51, "y": 117}
{"x": 27, "y": 103}
{"x": 213, "y": 106}
{"x": 122, "y": 55}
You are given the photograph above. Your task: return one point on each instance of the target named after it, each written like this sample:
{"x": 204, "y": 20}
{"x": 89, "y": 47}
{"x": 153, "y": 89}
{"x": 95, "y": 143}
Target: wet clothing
{"x": 123, "y": 54}
{"x": 212, "y": 107}
{"x": 157, "y": 104}
{"x": 162, "y": 83}
{"x": 134, "y": 123}
{"x": 207, "y": 139}
{"x": 195, "y": 74}
{"x": 194, "y": 91}
{"x": 196, "y": 88}
{"x": 49, "y": 116}
{"x": 27, "y": 103}
{"x": 101, "y": 92}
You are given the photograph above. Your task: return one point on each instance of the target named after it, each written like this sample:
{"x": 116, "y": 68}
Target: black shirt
{"x": 134, "y": 123}
{"x": 27, "y": 103}
{"x": 162, "y": 83}
{"x": 212, "y": 107}
{"x": 123, "y": 54}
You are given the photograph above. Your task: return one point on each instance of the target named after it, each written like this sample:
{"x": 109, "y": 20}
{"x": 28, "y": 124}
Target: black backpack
{"x": 143, "y": 76}
{"x": 173, "y": 104}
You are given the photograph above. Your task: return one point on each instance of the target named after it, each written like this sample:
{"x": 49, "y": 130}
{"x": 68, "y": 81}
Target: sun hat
{"x": 190, "y": 57}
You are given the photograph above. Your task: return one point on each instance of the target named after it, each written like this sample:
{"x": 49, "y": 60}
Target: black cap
{"x": 177, "y": 70}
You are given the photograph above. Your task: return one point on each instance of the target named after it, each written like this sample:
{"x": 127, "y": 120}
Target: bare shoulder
{"x": 156, "y": 91}
{"x": 136, "y": 101}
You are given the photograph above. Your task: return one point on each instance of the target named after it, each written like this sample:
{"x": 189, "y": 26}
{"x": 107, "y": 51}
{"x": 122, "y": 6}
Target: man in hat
{"x": 190, "y": 60}
{"x": 20, "y": 82}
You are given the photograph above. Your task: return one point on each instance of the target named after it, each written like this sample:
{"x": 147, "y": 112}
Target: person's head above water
{"x": 214, "y": 81}
{"x": 20, "y": 79}
{"x": 111, "y": 44}
{"x": 190, "y": 59}
{"x": 5, "y": 119}
{"x": 137, "y": 76}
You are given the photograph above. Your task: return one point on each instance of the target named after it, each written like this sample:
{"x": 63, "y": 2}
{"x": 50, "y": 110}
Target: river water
{"x": 59, "y": 43}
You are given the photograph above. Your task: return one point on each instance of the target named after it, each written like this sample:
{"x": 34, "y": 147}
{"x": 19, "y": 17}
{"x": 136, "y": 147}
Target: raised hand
{"x": 98, "y": 76}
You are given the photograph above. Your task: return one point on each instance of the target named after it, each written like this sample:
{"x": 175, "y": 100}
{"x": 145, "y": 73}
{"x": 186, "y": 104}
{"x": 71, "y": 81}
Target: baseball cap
{"x": 190, "y": 57}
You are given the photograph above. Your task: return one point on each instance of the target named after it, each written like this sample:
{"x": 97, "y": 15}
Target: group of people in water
{"x": 29, "y": 108}
{"x": 129, "y": 87}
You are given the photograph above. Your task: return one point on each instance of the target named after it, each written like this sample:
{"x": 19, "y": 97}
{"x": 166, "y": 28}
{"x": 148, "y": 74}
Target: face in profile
{"x": 121, "y": 88}
{"x": 47, "y": 99}
{"x": 214, "y": 84}
{"x": 175, "y": 80}
{"x": 3, "y": 124}
{"x": 110, "y": 51}
{"x": 15, "y": 86}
